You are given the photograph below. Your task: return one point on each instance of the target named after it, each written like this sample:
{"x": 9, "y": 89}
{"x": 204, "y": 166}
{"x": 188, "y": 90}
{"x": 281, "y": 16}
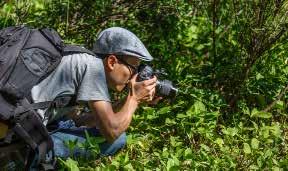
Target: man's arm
{"x": 113, "y": 124}
{"x": 82, "y": 118}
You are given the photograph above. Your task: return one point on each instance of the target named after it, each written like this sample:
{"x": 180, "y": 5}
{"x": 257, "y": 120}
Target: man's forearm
{"x": 87, "y": 119}
{"x": 124, "y": 115}
{"x": 112, "y": 124}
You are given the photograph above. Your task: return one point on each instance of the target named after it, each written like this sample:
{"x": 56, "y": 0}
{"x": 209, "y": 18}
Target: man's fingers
{"x": 148, "y": 98}
{"x": 150, "y": 81}
{"x": 150, "y": 95}
{"x": 150, "y": 87}
{"x": 133, "y": 79}
{"x": 144, "y": 90}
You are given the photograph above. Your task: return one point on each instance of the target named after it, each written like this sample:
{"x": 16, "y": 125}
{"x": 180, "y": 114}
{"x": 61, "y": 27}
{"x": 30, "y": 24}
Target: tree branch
{"x": 269, "y": 107}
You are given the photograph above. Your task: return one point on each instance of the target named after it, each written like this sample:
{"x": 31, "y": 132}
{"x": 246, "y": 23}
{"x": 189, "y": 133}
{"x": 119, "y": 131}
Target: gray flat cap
{"x": 119, "y": 41}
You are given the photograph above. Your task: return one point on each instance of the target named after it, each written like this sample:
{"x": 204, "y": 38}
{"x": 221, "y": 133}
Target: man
{"x": 89, "y": 78}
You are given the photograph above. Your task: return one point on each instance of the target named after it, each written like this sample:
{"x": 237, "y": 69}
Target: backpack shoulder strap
{"x": 8, "y": 32}
{"x": 72, "y": 49}
{"x": 53, "y": 37}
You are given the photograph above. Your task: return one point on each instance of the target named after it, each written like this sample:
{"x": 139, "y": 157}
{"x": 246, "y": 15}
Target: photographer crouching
{"x": 86, "y": 80}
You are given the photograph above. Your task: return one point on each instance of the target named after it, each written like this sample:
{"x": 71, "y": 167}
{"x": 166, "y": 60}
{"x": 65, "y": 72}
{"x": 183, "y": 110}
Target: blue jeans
{"x": 72, "y": 133}
{"x": 68, "y": 132}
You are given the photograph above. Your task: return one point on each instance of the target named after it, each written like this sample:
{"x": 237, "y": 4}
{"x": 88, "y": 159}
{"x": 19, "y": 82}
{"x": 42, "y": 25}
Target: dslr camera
{"x": 164, "y": 88}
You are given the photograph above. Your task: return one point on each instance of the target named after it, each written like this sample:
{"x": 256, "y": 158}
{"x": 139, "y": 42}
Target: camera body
{"x": 164, "y": 88}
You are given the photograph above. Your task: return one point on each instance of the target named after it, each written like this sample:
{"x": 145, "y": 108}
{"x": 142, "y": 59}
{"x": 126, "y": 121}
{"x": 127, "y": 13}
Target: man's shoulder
{"x": 71, "y": 49}
{"x": 82, "y": 58}
{"x": 82, "y": 55}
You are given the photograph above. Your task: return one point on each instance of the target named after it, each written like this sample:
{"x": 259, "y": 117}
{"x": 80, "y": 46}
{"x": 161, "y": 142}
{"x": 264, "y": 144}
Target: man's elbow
{"x": 113, "y": 134}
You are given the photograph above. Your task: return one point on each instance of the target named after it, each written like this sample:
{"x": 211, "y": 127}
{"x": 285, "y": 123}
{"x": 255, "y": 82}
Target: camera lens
{"x": 165, "y": 88}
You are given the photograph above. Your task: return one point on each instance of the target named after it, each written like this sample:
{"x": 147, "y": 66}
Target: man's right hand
{"x": 143, "y": 91}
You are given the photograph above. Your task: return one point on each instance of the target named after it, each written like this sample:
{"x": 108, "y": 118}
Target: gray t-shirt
{"x": 80, "y": 74}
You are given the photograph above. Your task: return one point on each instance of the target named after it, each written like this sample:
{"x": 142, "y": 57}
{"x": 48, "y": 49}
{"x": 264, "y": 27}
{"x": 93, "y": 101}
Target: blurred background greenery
{"x": 228, "y": 58}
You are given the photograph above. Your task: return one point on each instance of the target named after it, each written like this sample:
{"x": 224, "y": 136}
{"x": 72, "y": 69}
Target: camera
{"x": 164, "y": 88}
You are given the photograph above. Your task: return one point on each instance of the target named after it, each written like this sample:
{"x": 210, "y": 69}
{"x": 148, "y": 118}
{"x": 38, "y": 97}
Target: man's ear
{"x": 110, "y": 62}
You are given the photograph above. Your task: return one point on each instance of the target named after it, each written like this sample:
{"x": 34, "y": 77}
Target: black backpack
{"x": 27, "y": 56}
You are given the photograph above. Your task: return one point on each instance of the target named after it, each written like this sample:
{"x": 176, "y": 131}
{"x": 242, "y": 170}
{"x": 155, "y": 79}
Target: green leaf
{"x": 268, "y": 153}
{"x": 151, "y": 117}
{"x": 205, "y": 147}
{"x": 71, "y": 164}
{"x": 253, "y": 167}
{"x": 165, "y": 153}
{"x": 164, "y": 110}
{"x": 129, "y": 167}
{"x": 172, "y": 164}
{"x": 126, "y": 159}
{"x": 199, "y": 47}
{"x": 99, "y": 140}
{"x": 180, "y": 115}
{"x": 230, "y": 131}
{"x": 148, "y": 110}
{"x": 275, "y": 130}
{"x": 173, "y": 141}
{"x": 71, "y": 144}
{"x": 254, "y": 112}
{"x": 247, "y": 148}
{"x": 246, "y": 110}
{"x": 170, "y": 121}
{"x": 196, "y": 108}
{"x": 265, "y": 131}
{"x": 275, "y": 168}
{"x": 259, "y": 76}
{"x": 260, "y": 114}
{"x": 254, "y": 143}
{"x": 188, "y": 154}
{"x": 279, "y": 105}
{"x": 219, "y": 141}
{"x": 260, "y": 161}
{"x": 199, "y": 107}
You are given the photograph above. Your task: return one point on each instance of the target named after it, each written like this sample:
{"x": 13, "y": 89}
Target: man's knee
{"x": 121, "y": 140}
{"x": 108, "y": 149}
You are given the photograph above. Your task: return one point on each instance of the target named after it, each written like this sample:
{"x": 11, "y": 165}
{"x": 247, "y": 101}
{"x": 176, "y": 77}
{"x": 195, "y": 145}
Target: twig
{"x": 277, "y": 99}
{"x": 214, "y": 13}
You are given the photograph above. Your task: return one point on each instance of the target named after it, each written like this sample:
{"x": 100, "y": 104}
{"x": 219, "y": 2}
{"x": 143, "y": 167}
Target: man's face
{"x": 120, "y": 70}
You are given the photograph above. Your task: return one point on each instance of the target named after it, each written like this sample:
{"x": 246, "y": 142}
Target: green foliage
{"x": 69, "y": 164}
{"x": 228, "y": 59}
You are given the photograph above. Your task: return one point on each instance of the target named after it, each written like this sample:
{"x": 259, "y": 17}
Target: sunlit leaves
{"x": 254, "y": 143}
{"x": 69, "y": 164}
{"x": 218, "y": 121}
{"x": 260, "y": 114}
{"x": 246, "y": 148}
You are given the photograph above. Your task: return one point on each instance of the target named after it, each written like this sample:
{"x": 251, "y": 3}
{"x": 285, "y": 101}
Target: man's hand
{"x": 155, "y": 101}
{"x": 143, "y": 91}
